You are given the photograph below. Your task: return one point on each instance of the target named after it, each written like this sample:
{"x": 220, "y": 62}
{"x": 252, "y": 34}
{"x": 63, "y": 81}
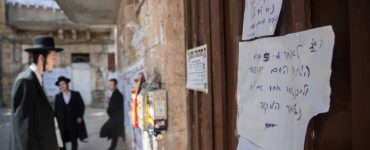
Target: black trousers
{"x": 114, "y": 142}
{"x": 71, "y": 138}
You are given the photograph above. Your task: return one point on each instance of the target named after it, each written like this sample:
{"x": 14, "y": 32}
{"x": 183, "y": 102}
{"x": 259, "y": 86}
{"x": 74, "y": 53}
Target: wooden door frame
{"x": 360, "y": 58}
{"x": 204, "y": 25}
{"x": 223, "y": 35}
{"x": 197, "y": 33}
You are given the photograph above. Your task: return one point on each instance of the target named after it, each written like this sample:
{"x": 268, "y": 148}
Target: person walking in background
{"x": 69, "y": 111}
{"x": 114, "y": 127}
{"x": 33, "y": 125}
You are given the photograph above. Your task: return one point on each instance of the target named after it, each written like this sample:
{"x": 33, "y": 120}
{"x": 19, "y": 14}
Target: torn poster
{"x": 282, "y": 83}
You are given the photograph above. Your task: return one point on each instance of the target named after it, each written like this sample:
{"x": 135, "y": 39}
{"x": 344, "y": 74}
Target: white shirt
{"x": 67, "y": 97}
{"x": 33, "y": 67}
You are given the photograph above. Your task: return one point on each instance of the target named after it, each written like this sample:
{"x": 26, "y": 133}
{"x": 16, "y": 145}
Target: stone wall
{"x": 96, "y": 42}
{"x": 2, "y": 12}
{"x": 10, "y": 62}
{"x": 11, "y": 66}
{"x": 14, "y": 59}
{"x": 155, "y": 31}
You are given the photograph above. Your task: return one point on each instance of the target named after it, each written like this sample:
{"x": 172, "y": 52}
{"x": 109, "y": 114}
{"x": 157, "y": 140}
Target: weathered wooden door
{"x": 207, "y": 111}
{"x": 218, "y": 23}
{"x": 295, "y": 16}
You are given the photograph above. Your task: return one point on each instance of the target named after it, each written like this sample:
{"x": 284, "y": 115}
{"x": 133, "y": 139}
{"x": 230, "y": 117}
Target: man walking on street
{"x": 69, "y": 111}
{"x": 33, "y": 125}
{"x": 113, "y": 128}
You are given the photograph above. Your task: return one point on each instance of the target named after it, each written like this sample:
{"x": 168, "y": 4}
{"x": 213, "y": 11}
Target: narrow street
{"x": 94, "y": 117}
{"x": 186, "y": 74}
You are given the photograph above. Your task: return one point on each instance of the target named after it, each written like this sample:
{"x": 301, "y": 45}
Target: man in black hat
{"x": 69, "y": 110}
{"x": 33, "y": 125}
{"x": 114, "y": 127}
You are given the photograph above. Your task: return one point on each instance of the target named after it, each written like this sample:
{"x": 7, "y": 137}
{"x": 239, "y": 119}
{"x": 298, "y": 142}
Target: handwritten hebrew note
{"x": 260, "y": 18}
{"x": 282, "y": 83}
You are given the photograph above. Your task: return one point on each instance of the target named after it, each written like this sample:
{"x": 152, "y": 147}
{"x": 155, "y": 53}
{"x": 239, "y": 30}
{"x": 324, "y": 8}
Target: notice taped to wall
{"x": 197, "y": 72}
{"x": 260, "y": 18}
{"x": 282, "y": 83}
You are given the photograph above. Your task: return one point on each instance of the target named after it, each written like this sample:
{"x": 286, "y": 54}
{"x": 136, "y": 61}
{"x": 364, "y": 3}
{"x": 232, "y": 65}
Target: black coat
{"x": 32, "y": 120}
{"x": 67, "y": 115}
{"x": 114, "y": 126}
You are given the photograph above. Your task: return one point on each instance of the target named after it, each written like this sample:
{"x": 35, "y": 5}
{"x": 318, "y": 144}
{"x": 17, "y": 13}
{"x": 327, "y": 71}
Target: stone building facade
{"x": 97, "y": 43}
{"x": 154, "y": 32}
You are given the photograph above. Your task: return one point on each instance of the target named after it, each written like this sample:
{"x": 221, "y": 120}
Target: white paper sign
{"x": 197, "y": 72}
{"x": 49, "y": 79}
{"x": 282, "y": 83}
{"x": 260, "y": 18}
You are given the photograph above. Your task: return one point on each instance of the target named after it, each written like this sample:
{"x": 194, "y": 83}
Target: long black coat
{"x": 67, "y": 115}
{"x": 32, "y": 120}
{"x": 114, "y": 126}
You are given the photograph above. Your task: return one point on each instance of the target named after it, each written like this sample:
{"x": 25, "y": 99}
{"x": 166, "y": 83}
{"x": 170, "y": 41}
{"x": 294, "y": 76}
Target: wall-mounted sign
{"x": 282, "y": 83}
{"x": 197, "y": 72}
{"x": 260, "y": 18}
{"x": 159, "y": 100}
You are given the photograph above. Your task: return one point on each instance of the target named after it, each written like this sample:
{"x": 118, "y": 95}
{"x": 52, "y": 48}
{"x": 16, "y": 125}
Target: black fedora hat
{"x": 43, "y": 43}
{"x": 62, "y": 78}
